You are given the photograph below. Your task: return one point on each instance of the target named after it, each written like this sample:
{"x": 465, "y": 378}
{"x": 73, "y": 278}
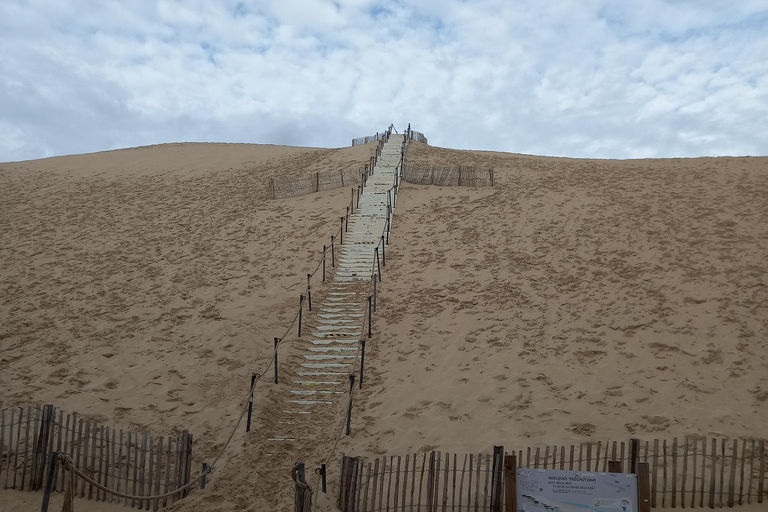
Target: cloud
{"x": 589, "y": 79}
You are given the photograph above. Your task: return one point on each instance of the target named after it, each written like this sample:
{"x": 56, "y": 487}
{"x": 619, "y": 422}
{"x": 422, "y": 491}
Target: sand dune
{"x": 577, "y": 299}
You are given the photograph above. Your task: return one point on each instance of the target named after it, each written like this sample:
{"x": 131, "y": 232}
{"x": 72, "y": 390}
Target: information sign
{"x": 544, "y": 490}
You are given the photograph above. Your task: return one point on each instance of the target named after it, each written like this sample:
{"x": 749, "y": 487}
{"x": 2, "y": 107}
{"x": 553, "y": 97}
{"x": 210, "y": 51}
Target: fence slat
{"x": 741, "y": 476}
{"x": 732, "y": 478}
{"x": 761, "y": 477}
{"x": 695, "y": 440}
{"x": 751, "y": 471}
{"x": 477, "y": 480}
{"x": 2, "y": 441}
{"x": 421, "y": 480}
{"x": 703, "y": 469}
{"x": 445, "y": 481}
{"x": 685, "y": 472}
{"x": 713, "y": 474}
{"x": 111, "y": 467}
{"x": 664, "y": 473}
{"x": 487, "y": 480}
{"x": 381, "y": 485}
{"x": 33, "y": 455}
{"x": 92, "y": 472}
{"x": 397, "y": 483}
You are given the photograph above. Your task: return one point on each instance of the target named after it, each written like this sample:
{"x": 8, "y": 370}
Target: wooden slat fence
{"x": 373, "y": 138}
{"x": 689, "y": 472}
{"x": 459, "y": 176}
{"x": 281, "y": 188}
{"x": 418, "y": 136}
{"x": 121, "y": 460}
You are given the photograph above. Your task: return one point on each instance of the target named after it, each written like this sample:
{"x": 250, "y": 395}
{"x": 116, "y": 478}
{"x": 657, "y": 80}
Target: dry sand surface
{"x": 576, "y": 300}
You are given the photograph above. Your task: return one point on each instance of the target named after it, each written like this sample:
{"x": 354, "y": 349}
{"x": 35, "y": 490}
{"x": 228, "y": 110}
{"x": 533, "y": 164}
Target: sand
{"x": 576, "y": 300}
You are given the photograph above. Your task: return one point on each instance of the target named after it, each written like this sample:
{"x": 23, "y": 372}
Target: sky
{"x": 586, "y": 78}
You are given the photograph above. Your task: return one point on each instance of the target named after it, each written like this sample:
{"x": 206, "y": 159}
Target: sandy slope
{"x": 141, "y": 287}
{"x": 576, "y": 300}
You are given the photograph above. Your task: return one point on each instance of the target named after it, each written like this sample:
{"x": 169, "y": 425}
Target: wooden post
{"x": 333, "y": 255}
{"x": 643, "y": 488}
{"x": 634, "y": 452}
{"x": 614, "y": 466}
{"x": 301, "y": 309}
{"x": 309, "y": 291}
{"x": 250, "y": 400}
{"x": 41, "y": 450}
{"x": 52, "y": 460}
{"x": 685, "y": 472}
{"x": 498, "y": 472}
{"x": 300, "y": 490}
{"x": 277, "y": 342}
{"x": 713, "y": 476}
{"x": 674, "y": 472}
{"x": 317, "y": 182}
{"x": 510, "y": 483}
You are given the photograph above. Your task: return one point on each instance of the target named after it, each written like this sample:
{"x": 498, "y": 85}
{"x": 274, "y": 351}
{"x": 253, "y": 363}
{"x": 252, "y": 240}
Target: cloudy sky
{"x": 586, "y": 78}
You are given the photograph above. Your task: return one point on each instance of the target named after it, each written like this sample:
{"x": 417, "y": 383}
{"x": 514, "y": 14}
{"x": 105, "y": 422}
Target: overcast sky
{"x": 586, "y": 78}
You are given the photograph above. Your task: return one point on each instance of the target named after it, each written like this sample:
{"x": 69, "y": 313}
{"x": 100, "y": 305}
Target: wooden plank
{"x": 488, "y": 480}
{"x": 359, "y": 485}
{"x": 664, "y": 474}
{"x": 119, "y": 469}
{"x": 112, "y": 467}
{"x": 581, "y": 454}
{"x": 84, "y": 461}
{"x": 674, "y": 471}
{"x": 761, "y": 472}
{"x": 634, "y": 454}
{"x": 375, "y": 480}
{"x": 445, "y": 482}
{"x": 158, "y": 471}
{"x": 389, "y": 481}
{"x": 453, "y": 492}
{"x": 613, "y": 451}
{"x": 381, "y": 484}
{"x": 397, "y": 483}
{"x": 10, "y": 448}
{"x": 614, "y": 466}
{"x": 605, "y": 459}
{"x": 510, "y": 483}
{"x": 33, "y": 452}
{"x": 621, "y": 456}
{"x": 368, "y": 481}
{"x": 528, "y": 458}
{"x": 695, "y": 441}
{"x": 176, "y": 476}
{"x": 413, "y": 480}
{"x": 151, "y": 475}
{"x": 732, "y": 478}
{"x": 722, "y": 471}
{"x": 430, "y": 480}
{"x": 168, "y": 453}
{"x": 477, "y": 480}
{"x": 589, "y": 456}
{"x": 703, "y": 469}
{"x": 92, "y": 473}
{"x": 741, "y": 472}
{"x": 188, "y": 458}
{"x": 713, "y": 474}
{"x": 546, "y": 458}
{"x": 570, "y": 464}
{"x": 421, "y": 481}
{"x": 436, "y": 482}
{"x": 461, "y": 484}
{"x": 536, "y": 460}
{"x": 142, "y": 468}
{"x": 685, "y": 472}
{"x": 350, "y": 497}
{"x": 405, "y": 482}
{"x": 597, "y": 457}
{"x": 751, "y": 471}
{"x": 26, "y": 448}
{"x": 62, "y": 437}
{"x": 469, "y": 485}
{"x": 643, "y": 487}
{"x": 562, "y": 457}
{"x": 18, "y": 440}
{"x": 100, "y": 478}
{"x": 2, "y": 440}
{"x": 128, "y": 448}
